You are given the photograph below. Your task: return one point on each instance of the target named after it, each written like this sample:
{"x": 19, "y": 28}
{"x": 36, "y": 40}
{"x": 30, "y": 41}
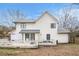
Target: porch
{"x": 30, "y": 37}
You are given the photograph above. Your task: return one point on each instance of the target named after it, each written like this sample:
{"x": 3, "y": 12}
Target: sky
{"x": 33, "y": 10}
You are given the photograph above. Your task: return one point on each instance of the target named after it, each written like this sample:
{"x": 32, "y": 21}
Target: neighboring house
{"x": 43, "y": 31}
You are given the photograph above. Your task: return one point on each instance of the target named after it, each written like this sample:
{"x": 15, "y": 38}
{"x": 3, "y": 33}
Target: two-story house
{"x": 43, "y": 31}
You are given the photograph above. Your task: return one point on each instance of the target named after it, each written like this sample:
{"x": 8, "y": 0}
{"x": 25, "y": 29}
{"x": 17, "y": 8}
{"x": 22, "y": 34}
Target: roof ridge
{"x": 31, "y": 20}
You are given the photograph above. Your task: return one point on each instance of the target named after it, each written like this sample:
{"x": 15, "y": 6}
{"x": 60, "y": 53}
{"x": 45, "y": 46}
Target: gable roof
{"x": 33, "y": 21}
{"x": 46, "y": 12}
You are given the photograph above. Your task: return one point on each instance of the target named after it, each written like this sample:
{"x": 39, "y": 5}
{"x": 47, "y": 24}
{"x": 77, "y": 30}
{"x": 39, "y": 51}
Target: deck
{"x": 29, "y": 44}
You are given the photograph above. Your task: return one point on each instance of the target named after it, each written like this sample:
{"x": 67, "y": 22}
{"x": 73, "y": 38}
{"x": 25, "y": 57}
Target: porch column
{"x": 29, "y": 37}
{"x": 36, "y": 38}
{"x": 23, "y": 38}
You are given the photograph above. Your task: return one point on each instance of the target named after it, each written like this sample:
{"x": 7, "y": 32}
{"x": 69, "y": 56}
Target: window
{"x": 27, "y": 35}
{"x": 48, "y": 36}
{"x": 32, "y": 36}
{"x": 23, "y": 26}
{"x": 53, "y": 25}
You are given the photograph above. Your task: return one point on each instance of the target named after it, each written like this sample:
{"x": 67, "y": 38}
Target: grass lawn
{"x": 59, "y": 50}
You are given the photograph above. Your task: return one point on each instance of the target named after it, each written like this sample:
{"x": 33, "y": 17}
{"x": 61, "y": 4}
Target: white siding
{"x": 44, "y": 25}
{"x": 16, "y": 36}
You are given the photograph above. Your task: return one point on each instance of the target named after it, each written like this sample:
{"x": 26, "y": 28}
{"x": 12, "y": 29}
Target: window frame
{"x": 32, "y": 36}
{"x": 48, "y": 36}
{"x": 53, "y": 25}
{"x": 23, "y": 26}
{"x": 26, "y": 35}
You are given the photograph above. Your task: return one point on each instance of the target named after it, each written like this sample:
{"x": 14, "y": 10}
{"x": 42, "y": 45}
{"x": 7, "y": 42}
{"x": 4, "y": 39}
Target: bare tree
{"x": 7, "y": 17}
{"x": 11, "y": 15}
{"x": 70, "y": 22}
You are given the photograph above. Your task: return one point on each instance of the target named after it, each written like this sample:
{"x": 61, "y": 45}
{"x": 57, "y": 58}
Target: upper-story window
{"x": 23, "y": 26}
{"x": 53, "y": 25}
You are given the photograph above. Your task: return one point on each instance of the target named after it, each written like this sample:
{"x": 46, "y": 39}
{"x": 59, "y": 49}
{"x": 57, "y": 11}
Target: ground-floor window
{"x": 27, "y": 35}
{"x": 30, "y": 36}
{"x": 48, "y": 36}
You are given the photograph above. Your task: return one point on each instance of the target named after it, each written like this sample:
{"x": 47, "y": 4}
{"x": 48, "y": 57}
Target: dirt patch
{"x": 59, "y": 50}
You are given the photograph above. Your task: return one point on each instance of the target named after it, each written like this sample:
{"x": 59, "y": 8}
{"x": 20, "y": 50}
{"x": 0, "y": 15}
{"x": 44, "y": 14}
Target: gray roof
{"x": 30, "y": 31}
{"x": 24, "y": 21}
{"x": 32, "y": 21}
{"x": 63, "y": 31}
